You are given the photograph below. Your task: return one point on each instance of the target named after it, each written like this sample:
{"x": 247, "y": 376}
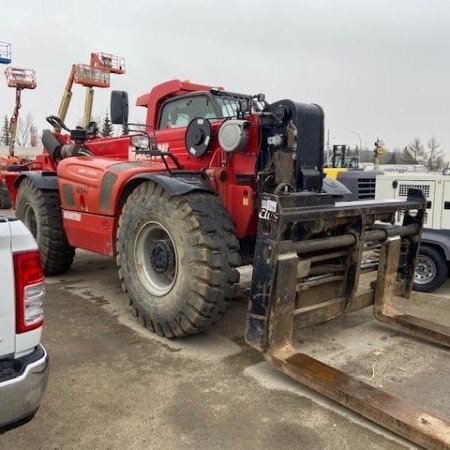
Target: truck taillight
{"x": 30, "y": 291}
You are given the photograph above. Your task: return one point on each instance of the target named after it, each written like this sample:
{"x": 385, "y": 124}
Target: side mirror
{"x": 119, "y": 107}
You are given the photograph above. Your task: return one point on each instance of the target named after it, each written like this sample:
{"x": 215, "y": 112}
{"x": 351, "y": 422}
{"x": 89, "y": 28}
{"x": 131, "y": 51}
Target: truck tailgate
{"x": 7, "y": 303}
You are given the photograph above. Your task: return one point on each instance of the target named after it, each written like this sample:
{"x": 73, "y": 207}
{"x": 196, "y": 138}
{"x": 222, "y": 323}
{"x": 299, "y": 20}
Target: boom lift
{"x": 5, "y": 53}
{"x": 19, "y": 79}
{"x": 224, "y": 175}
{"x": 95, "y": 74}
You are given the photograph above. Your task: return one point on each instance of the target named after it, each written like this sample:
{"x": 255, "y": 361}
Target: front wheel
{"x": 177, "y": 259}
{"x": 431, "y": 270}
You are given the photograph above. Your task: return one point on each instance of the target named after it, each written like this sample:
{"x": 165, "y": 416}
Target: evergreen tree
{"x": 107, "y": 126}
{"x": 4, "y": 137}
{"x": 352, "y": 152}
{"x": 392, "y": 157}
{"x": 125, "y": 129}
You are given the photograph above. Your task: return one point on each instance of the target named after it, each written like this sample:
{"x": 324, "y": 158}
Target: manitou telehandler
{"x": 217, "y": 176}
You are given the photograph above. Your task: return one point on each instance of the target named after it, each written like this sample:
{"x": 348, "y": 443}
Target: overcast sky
{"x": 378, "y": 68}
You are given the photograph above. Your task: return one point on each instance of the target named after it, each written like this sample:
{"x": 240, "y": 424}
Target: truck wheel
{"x": 177, "y": 259}
{"x": 431, "y": 270}
{"x": 5, "y": 201}
{"x": 40, "y": 211}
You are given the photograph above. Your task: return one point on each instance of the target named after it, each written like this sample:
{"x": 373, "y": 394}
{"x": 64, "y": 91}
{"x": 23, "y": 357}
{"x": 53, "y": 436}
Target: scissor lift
{"x": 95, "y": 74}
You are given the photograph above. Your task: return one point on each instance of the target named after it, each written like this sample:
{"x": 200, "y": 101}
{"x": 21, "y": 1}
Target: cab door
{"x": 174, "y": 117}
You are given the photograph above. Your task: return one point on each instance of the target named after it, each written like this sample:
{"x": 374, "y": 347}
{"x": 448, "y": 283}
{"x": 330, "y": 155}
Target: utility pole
{"x": 360, "y": 144}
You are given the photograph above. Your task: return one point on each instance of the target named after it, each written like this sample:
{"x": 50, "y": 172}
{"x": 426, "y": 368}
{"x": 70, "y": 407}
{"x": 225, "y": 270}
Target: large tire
{"x": 431, "y": 269}
{"x": 177, "y": 259}
{"x": 5, "y": 200}
{"x": 40, "y": 211}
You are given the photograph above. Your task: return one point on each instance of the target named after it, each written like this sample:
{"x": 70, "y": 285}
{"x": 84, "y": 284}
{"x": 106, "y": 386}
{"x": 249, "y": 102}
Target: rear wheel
{"x": 40, "y": 211}
{"x": 431, "y": 270}
{"x": 177, "y": 259}
{"x": 5, "y": 201}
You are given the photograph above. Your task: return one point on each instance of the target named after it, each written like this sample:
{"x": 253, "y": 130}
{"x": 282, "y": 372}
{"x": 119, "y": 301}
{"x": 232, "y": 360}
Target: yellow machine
{"x": 333, "y": 172}
{"x": 339, "y": 163}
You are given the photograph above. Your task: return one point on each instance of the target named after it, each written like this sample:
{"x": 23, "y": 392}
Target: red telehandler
{"x": 217, "y": 176}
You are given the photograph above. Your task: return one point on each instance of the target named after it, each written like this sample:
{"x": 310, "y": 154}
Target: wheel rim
{"x": 155, "y": 258}
{"x": 425, "y": 270}
{"x": 29, "y": 218}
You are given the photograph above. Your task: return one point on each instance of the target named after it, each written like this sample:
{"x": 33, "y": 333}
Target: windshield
{"x": 228, "y": 105}
{"x": 178, "y": 112}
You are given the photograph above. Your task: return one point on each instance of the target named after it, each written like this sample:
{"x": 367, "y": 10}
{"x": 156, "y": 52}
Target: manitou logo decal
{"x": 133, "y": 156}
{"x": 71, "y": 215}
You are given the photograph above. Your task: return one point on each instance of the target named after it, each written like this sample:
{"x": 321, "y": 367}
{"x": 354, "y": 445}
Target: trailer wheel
{"x": 40, "y": 211}
{"x": 5, "y": 200}
{"x": 431, "y": 270}
{"x": 177, "y": 259}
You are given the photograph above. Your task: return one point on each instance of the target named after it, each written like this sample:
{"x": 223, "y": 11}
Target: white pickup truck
{"x": 23, "y": 360}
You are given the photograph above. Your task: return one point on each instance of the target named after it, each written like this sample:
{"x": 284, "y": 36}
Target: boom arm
{"x": 13, "y": 122}
{"x": 67, "y": 96}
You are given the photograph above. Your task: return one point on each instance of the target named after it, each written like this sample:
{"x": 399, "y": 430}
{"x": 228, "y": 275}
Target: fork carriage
{"x": 309, "y": 256}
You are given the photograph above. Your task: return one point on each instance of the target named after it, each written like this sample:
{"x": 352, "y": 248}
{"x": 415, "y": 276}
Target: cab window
{"x": 179, "y": 112}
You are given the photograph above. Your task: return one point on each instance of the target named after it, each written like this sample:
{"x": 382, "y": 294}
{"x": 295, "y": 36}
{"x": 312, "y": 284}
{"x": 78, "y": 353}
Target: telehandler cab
{"x": 214, "y": 175}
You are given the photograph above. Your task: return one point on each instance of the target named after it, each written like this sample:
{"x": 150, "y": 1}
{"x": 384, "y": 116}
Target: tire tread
{"x": 212, "y": 235}
{"x": 57, "y": 253}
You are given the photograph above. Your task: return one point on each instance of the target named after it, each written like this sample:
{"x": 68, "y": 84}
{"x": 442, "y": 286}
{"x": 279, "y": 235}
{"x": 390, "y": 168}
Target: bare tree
{"x": 414, "y": 153}
{"x": 23, "y": 130}
{"x": 4, "y": 138}
{"x": 435, "y": 156}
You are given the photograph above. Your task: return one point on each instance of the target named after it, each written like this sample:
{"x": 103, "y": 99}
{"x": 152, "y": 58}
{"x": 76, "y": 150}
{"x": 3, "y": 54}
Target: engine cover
{"x": 308, "y": 120}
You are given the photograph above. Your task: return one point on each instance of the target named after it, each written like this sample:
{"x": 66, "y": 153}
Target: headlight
{"x": 140, "y": 141}
{"x": 233, "y": 135}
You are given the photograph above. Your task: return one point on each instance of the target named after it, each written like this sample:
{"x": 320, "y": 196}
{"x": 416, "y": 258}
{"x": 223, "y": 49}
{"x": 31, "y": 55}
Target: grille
{"x": 403, "y": 189}
{"x": 366, "y": 188}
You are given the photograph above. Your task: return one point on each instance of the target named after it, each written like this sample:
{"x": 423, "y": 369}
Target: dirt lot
{"x": 115, "y": 385}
